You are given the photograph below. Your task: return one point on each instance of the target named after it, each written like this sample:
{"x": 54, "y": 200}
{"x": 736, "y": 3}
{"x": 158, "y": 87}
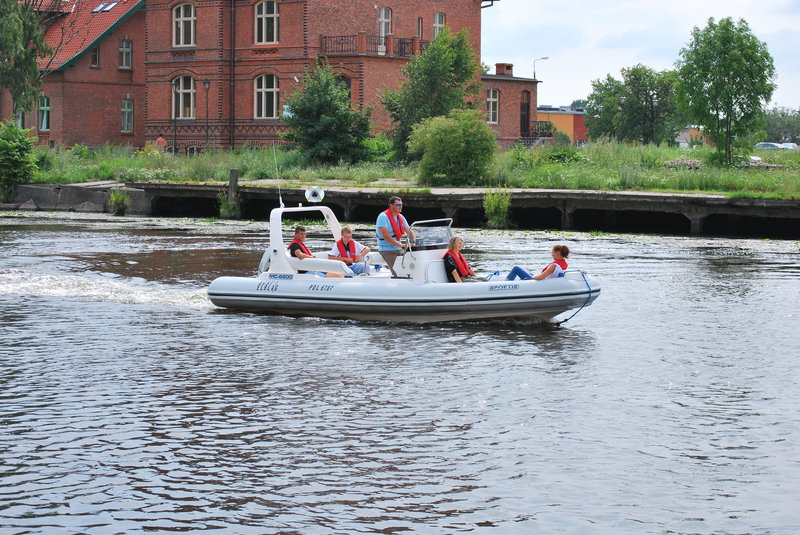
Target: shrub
{"x": 17, "y": 163}
{"x": 228, "y": 209}
{"x": 457, "y": 149}
{"x": 119, "y": 202}
{"x": 495, "y": 205}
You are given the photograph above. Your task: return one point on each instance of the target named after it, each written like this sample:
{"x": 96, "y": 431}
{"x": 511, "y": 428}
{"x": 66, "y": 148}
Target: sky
{"x": 586, "y": 40}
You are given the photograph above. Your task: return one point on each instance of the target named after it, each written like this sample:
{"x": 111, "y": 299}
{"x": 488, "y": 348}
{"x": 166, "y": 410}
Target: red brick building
{"x": 94, "y": 90}
{"x": 216, "y": 72}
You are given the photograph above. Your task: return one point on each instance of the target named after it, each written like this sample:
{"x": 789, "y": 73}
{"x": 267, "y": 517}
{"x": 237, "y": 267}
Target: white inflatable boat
{"x": 419, "y": 294}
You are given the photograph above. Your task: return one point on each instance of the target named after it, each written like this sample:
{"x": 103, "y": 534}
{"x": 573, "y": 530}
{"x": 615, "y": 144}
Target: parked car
{"x": 766, "y": 145}
{"x": 790, "y": 146}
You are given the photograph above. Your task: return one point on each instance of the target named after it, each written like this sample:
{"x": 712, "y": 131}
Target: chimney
{"x": 506, "y": 69}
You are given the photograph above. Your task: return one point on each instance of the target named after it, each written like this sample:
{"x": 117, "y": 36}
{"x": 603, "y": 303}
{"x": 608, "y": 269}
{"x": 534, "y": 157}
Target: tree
{"x": 603, "y": 107}
{"x": 641, "y": 107}
{"x": 321, "y": 121}
{"x": 782, "y": 124}
{"x": 437, "y": 82}
{"x": 457, "y": 149}
{"x": 725, "y": 78}
{"x": 16, "y": 158}
{"x": 21, "y": 46}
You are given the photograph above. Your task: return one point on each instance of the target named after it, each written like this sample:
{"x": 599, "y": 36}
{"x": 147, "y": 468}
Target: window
{"x": 125, "y": 54}
{"x": 525, "y": 114}
{"x": 96, "y": 56}
{"x": 492, "y": 101}
{"x": 183, "y": 18}
{"x": 438, "y": 23}
{"x": 127, "y": 115}
{"x": 420, "y": 24}
{"x": 266, "y": 97}
{"x": 44, "y": 113}
{"x": 348, "y": 84}
{"x": 384, "y": 23}
{"x": 183, "y": 98}
{"x": 267, "y": 27}
{"x": 19, "y": 117}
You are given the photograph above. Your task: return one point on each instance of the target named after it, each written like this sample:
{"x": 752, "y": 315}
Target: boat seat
{"x": 434, "y": 271}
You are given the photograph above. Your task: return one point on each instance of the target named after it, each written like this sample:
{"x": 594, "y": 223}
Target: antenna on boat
{"x": 275, "y": 159}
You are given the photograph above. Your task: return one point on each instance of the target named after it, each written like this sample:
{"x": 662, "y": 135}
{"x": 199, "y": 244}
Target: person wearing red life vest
{"x": 298, "y": 249}
{"x": 350, "y": 252}
{"x": 390, "y": 227}
{"x": 455, "y": 265}
{"x": 551, "y": 270}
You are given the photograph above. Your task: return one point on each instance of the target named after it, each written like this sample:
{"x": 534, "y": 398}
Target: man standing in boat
{"x": 350, "y": 252}
{"x": 390, "y": 227}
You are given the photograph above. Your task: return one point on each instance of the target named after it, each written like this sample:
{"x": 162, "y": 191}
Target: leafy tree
{"x": 437, "y": 82}
{"x": 725, "y": 78}
{"x": 578, "y": 104}
{"x": 321, "y": 121}
{"x": 603, "y": 108}
{"x": 641, "y": 107}
{"x": 782, "y": 124}
{"x": 21, "y": 45}
{"x": 16, "y": 158}
{"x": 457, "y": 149}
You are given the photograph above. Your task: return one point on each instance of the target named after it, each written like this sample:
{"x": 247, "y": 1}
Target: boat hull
{"x": 401, "y": 300}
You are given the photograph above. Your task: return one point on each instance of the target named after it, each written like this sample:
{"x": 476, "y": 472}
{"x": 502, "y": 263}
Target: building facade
{"x": 216, "y": 72}
{"x": 567, "y": 121}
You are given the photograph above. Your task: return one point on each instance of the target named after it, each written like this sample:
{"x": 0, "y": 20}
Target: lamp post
{"x": 534, "y": 65}
{"x": 176, "y": 85}
{"x": 206, "y": 86}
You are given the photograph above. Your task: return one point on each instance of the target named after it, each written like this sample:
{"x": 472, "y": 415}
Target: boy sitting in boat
{"x": 350, "y": 252}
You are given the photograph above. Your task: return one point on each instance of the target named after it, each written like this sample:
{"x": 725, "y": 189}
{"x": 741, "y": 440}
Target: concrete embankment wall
{"x": 534, "y": 209}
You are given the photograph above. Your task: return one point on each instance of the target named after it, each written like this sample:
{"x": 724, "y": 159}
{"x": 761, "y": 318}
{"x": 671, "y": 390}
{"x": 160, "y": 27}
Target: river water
{"x": 129, "y": 404}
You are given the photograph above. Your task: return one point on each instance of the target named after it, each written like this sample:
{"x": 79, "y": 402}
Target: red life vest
{"x": 397, "y": 224}
{"x": 344, "y": 252}
{"x": 302, "y": 247}
{"x": 461, "y": 262}
{"x": 561, "y": 263}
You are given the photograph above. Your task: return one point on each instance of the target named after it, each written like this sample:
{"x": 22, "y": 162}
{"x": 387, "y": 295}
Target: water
{"x": 130, "y": 405}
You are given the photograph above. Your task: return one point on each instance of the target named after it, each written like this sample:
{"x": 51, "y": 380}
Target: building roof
{"x": 507, "y": 77}
{"x": 82, "y": 26}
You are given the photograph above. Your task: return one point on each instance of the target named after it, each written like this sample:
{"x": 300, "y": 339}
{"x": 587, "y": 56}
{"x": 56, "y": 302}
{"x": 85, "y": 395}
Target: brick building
{"x": 94, "y": 90}
{"x": 216, "y": 72}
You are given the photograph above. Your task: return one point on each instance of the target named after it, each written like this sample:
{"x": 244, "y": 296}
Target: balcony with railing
{"x": 362, "y": 44}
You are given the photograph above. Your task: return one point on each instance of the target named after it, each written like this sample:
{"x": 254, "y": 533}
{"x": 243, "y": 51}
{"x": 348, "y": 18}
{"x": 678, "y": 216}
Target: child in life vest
{"x": 551, "y": 270}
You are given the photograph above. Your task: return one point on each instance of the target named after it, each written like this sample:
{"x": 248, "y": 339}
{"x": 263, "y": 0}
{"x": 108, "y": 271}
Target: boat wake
{"x": 96, "y": 287}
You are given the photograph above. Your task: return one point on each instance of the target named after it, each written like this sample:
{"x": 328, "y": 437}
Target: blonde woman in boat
{"x": 455, "y": 265}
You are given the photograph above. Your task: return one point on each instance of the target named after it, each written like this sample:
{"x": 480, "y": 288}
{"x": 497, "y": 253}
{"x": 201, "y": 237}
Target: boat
{"x": 419, "y": 293}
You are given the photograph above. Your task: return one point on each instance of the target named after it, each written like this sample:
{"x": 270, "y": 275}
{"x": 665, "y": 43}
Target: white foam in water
{"x": 116, "y": 290}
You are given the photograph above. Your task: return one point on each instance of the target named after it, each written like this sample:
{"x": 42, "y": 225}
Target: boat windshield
{"x": 432, "y": 234}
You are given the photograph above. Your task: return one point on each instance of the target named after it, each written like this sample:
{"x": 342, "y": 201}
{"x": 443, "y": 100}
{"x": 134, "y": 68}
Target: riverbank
{"x": 599, "y": 211}
{"x": 599, "y": 166}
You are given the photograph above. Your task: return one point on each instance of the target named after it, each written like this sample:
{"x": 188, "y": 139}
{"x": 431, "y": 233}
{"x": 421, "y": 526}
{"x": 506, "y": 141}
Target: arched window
{"x": 125, "y": 54}
{"x": 183, "y": 25}
{"x": 492, "y": 104}
{"x": 183, "y": 98}
{"x": 267, "y": 22}
{"x": 525, "y": 114}
{"x": 127, "y": 115}
{"x": 44, "y": 113}
{"x": 265, "y": 105}
{"x": 438, "y": 23}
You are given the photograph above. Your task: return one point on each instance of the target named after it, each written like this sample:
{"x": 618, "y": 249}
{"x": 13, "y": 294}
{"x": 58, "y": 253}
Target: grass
{"x": 603, "y": 166}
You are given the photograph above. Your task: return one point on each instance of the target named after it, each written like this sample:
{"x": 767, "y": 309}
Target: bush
{"x": 119, "y": 202}
{"x": 495, "y": 205}
{"x": 228, "y": 209}
{"x": 17, "y": 162}
{"x": 457, "y": 149}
